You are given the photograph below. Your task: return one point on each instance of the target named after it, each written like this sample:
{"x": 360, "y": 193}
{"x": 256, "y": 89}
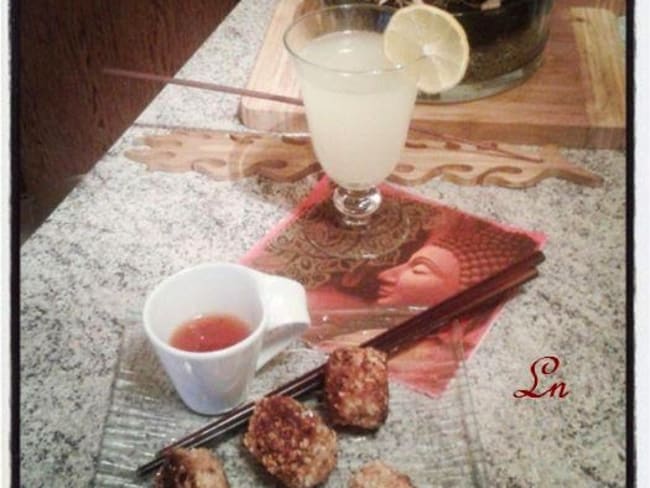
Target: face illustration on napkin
{"x": 425, "y": 276}
{"x": 430, "y": 275}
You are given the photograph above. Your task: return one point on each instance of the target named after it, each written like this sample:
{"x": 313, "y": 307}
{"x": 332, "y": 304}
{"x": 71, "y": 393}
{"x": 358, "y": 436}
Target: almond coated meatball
{"x": 291, "y": 441}
{"x": 356, "y": 387}
{"x": 190, "y": 468}
{"x": 377, "y": 474}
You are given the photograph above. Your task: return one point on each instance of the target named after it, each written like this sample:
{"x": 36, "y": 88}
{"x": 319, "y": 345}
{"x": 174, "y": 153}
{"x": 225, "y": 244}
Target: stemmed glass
{"x": 358, "y": 107}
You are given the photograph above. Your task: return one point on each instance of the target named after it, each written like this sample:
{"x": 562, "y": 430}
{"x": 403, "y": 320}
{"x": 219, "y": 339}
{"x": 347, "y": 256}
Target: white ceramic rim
{"x": 220, "y": 353}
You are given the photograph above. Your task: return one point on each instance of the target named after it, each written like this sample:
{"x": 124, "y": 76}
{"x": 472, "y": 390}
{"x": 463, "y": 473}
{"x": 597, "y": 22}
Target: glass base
{"x": 383, "y": 232}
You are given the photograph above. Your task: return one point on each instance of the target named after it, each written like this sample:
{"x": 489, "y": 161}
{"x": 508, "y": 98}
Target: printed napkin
{"x": 424, "y": 252}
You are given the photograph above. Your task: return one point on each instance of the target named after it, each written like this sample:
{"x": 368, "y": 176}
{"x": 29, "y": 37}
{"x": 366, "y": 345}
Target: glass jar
{"x": 506, "y": 47}
{"x": 506, "y": 44}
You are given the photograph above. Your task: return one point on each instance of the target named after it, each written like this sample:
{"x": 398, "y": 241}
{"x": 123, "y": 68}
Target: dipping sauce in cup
{"x": 209, "y": 333}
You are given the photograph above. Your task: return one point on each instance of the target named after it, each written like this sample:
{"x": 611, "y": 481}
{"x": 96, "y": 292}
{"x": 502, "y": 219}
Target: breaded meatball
{"x": 291, "y": 441}
{"x": 376, "y": 474}
{"x": 356, "y": 387}
{"x": 190, "y": 468}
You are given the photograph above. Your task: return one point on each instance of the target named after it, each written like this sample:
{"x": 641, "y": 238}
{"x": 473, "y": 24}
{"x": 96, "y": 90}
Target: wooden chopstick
{"x": 201, "y": 84}
{"x": 402, "y": 336}
{"x": 391, "y": 341}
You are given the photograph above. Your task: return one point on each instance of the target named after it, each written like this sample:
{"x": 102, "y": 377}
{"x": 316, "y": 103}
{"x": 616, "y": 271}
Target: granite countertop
{"x": 123, "y": 228}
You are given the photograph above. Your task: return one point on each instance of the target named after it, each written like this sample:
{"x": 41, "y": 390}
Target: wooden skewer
{"x": 483, "y": 145}
{"x": 202, "y": 84}
{"x": 392, "y": 341}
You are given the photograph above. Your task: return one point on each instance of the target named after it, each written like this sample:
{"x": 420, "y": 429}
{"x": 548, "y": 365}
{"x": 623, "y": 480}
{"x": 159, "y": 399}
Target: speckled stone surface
{"x": 87, "y": 270}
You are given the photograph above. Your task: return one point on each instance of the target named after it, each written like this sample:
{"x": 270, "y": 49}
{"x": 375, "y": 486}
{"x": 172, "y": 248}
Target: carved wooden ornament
{"x": 227, "y": 156}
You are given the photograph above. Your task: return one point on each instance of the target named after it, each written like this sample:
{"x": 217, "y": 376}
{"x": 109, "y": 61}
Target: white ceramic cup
{"x": 212, "y": 382}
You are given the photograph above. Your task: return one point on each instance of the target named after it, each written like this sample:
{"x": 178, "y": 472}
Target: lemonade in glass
{"x": 360, "y": 67}
{"x": 358, "y": 104}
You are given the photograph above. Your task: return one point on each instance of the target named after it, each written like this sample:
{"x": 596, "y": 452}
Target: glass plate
{"x": 434, "y": 440}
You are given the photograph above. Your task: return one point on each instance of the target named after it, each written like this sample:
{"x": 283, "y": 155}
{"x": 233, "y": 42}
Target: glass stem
{"x": 356, "y": 206}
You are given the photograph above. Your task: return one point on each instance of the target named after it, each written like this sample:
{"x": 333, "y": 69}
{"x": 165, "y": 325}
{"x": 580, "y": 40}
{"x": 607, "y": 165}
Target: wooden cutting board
{"x": 575, "y": 99}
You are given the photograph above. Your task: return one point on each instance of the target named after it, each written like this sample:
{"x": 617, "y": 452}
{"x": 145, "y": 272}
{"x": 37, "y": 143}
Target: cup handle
{"x": 285, "y": 303}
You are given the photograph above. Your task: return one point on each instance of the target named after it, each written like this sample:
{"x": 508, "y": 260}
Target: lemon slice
{"x": 436, "y": 38}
